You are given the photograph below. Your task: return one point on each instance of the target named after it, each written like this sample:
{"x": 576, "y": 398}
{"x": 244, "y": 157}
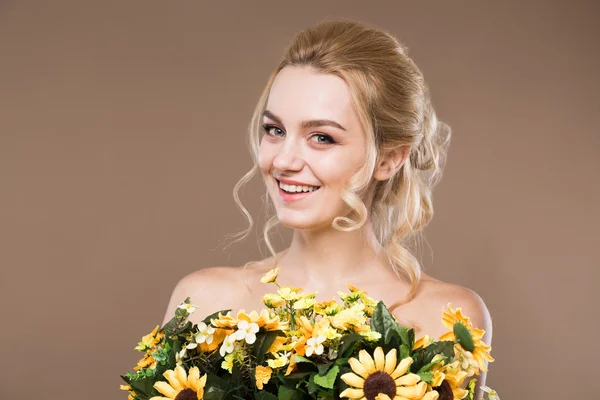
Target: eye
{"x": 325, "y": 139}
{"x": 270, "y": 128}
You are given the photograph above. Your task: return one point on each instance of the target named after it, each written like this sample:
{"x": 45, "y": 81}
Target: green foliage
{"x": 214, "y": 316}
{"x": 286, "y": 393}
{"x": 393, "y": 335}
{"x": 262, "y": 395}
{"x": 463, "y": 336}
{"x": 327, "y": 381}
{"x": 348, "y": 343}
{"x": 470, "y": 389}
{"x": 263, "y": 342}
{"x": 424, "y": 356}
{"x": 426, "y": 376}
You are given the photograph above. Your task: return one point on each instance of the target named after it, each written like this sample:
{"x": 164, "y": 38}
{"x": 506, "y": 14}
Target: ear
{"x": 391, "y": 163}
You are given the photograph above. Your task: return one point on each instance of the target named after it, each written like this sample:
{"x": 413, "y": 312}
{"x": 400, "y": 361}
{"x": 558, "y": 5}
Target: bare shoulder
{"x": 203, "y": 287}
{"x": 439, "y": 294}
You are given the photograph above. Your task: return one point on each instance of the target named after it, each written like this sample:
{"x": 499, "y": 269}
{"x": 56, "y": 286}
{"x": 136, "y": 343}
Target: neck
{"x": 333, "y": 257}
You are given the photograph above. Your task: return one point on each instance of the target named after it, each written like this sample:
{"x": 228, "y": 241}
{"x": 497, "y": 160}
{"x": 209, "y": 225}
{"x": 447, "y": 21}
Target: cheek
{"x": 335, "y": 169}
{"x": 265, "y": 158}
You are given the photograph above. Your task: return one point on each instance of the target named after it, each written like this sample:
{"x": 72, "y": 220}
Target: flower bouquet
{"x": 297, "y": 348}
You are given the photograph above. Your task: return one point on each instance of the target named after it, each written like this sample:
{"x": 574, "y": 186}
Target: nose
{"x": 289, "y": 157}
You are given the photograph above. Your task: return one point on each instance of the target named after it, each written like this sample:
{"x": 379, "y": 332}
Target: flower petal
{"x": 353, "y": 380}
{"x": 402, "y": 367}
{"x": 358, "y": 368}
{"x": 181, "y": 374}
{"x": 353, "y": 393}
{"x": 250, "y": 338}
{"x": 408, "y": 380}
{"x": 193, "y": 378}
{"x": 166, "y": 389}
{"x": 390, "y": 361}
{"x": 379, "y": 358}
{"x": 173, "y": 380}
{"x": 433, "y": 395}
{"x": 408, "y": 391}
{"x": 366, "y": 361}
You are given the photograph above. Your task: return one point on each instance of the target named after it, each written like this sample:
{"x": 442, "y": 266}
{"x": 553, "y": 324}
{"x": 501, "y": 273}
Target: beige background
{"x": 122, "y": 133}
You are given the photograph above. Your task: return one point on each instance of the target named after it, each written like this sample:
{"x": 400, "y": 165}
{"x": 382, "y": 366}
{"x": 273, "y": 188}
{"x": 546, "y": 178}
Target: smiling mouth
{"x": 293, "y": 193}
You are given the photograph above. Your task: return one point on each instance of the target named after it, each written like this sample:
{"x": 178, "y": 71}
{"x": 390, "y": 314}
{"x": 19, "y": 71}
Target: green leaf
{"x": 262, "y": 395}
{"x": 327, "y": 380}
{"x": 312, "y": 386}
{"x": 424, "y": 356}
{"x": 427, "y": 367}
{"x": 286, "y": 393}
{"x": 383, "y": 322}
{"x": 144, "y": 386}
{"x": 264, "y": 340}
{"x": 300, "y": 359}
{"x": 426, "y": 376}
{"x": 463, "y": 336}
{"x": 404, "y": 351}
{"x": 214, "y": 316}
{"x": 213, "y": 393}
{"x": 324, "y": 367}
{"x": 347, "y": 342}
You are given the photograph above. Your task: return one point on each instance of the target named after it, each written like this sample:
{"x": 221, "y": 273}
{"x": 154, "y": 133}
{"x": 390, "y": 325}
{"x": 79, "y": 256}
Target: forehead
{"x": 300, "y": 93}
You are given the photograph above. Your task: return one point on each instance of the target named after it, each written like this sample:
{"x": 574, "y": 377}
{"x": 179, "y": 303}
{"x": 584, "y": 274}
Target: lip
{"x": 289, "y": 197}
{"x": 293, "y": 182}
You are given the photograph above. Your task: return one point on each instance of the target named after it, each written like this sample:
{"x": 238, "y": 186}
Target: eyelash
{"x": 267, "y": 128}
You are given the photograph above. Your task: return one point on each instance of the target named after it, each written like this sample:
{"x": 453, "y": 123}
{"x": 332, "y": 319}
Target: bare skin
{"x": 238, "y": 288}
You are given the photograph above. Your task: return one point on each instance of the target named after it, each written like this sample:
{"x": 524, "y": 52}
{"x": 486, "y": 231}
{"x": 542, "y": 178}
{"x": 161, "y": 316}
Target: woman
{"x": 349, "y": 147}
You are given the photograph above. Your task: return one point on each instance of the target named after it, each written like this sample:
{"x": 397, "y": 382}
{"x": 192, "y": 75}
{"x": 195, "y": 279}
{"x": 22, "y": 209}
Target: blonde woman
{"x": 349, "y": 148}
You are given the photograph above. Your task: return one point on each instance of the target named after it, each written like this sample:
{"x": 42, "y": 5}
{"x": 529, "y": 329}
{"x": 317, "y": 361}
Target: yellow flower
{"x": 350, "y": 317}
{"x": 289, "y": 293}
{"x": 304, "y": 303}
{"x": 272, "y": 300}
{"x": 328, "y": 308}
{"x": 263, "y": 320}
{"x": 262, "y": 375}
{"x": 280, "y": 361}
{"x": 150, "y": 340}
{"x": 422, "y": 342}
{"x": 228, "y": 362}
{"x": 180, "y": 384}
{"x": 218, "y": 337}
{"x": 277, "y": 344}
{"x": 380, "y": 375}
{"x": 457, "y": 322}
{"x": 454, "y": 377}
{"x": 271, "y": 276}
{"x": 146, "y": 362}
{"x": 323, "y": 328}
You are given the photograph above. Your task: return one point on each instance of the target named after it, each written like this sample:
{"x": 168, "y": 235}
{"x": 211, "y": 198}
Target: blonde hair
{"x": 393, "y": 105}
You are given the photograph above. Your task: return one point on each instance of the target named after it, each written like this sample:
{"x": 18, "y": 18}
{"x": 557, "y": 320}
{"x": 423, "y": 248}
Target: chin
{"x": 302, "y": 222}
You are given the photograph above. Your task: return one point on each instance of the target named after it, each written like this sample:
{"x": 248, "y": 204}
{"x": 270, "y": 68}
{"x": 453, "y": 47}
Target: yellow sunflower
{"x": 181, "y": 386}
{"x": 150, "y": 340}
{"x": 468, "y": 338}
{"x": 380, "y": 376}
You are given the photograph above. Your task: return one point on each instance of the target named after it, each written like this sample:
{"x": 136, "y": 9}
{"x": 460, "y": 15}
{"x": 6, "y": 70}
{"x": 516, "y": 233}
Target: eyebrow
{"x": 306, "y": 124}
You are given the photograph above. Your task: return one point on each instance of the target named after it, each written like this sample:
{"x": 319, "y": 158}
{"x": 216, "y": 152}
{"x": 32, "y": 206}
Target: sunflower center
{"x": 379, "y": 382}
{"x": 445, "y": 391}
{"x": 187, "y": 394}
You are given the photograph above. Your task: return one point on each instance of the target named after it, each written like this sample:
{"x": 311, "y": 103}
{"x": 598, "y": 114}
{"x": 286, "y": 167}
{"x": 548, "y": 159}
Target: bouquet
{"x": 297, "y": 348}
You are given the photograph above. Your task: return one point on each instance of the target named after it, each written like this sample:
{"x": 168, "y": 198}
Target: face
{"x": 312, "y": 137}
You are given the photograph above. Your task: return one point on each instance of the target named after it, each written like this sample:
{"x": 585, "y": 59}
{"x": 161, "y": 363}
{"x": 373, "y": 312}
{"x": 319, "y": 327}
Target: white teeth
{"x": 297, "y": 188}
